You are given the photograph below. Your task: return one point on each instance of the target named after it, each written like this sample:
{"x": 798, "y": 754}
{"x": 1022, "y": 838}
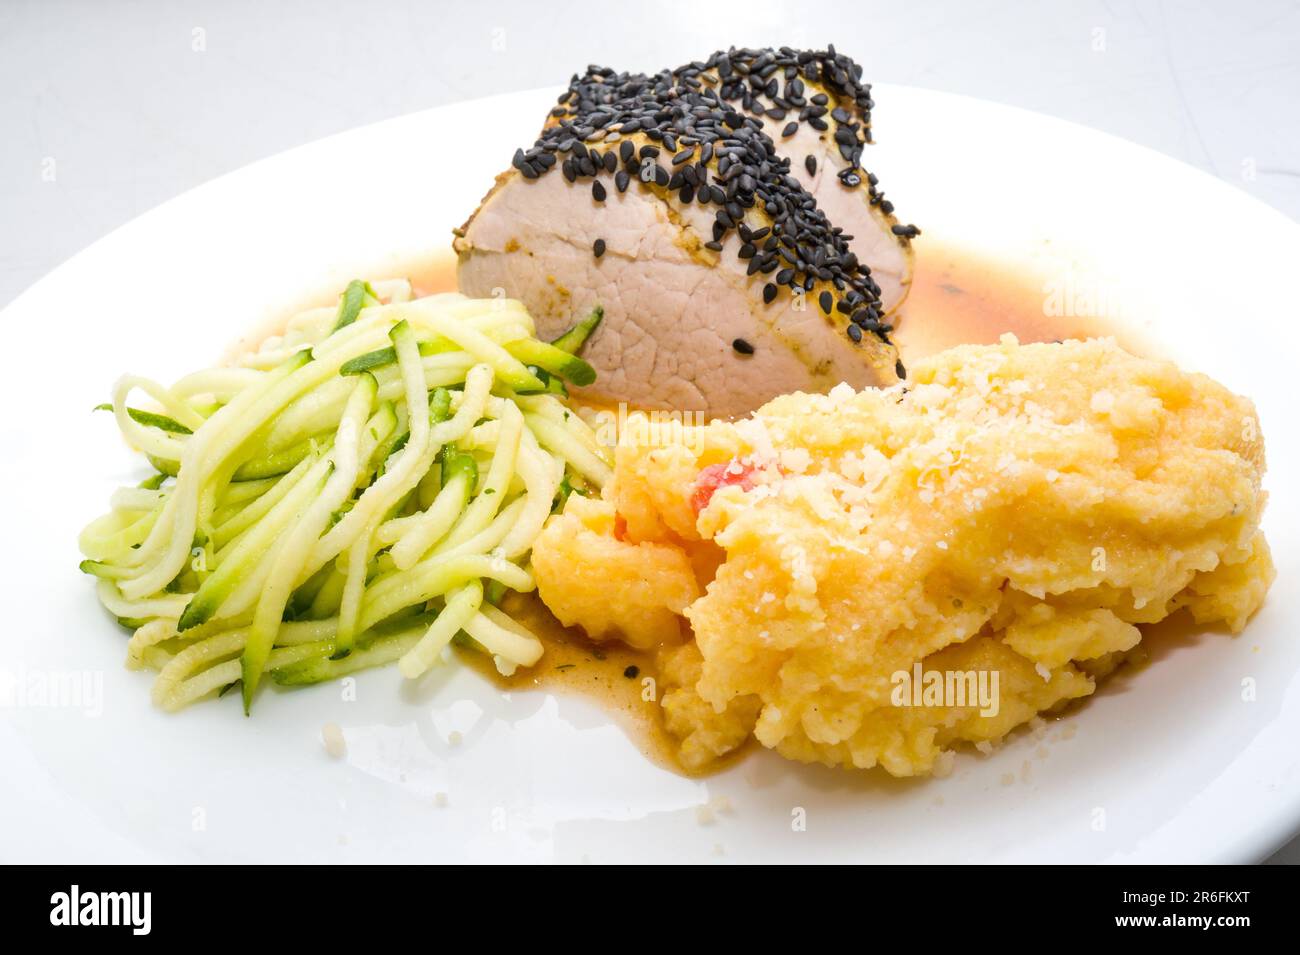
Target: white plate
{"x": 1171, "y": 757}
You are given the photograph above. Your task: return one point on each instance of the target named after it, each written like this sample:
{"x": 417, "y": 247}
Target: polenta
{"x": 1014, "y": 511}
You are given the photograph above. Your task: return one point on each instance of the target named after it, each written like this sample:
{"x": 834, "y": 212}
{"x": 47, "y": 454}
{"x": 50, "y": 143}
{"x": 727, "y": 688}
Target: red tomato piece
{"x": 720, "y": 475}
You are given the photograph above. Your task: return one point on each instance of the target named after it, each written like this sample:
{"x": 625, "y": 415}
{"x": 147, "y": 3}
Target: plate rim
{"x": 1265, "y": 834}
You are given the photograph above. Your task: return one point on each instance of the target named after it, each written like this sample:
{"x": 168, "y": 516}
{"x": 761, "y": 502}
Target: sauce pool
{"x": 961, "y": 298}
{"x": 620, "y": 680}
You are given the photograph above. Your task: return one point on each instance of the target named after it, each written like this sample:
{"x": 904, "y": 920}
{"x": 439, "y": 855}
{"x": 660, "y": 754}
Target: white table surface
{"x": 109, "y": 108}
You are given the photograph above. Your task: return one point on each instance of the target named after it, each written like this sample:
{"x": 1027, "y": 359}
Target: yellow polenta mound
{"x": 1015, "y": 511}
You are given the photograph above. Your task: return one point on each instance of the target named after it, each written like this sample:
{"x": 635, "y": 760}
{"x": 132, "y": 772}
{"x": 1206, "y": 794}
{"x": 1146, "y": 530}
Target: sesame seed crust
{"x": 703, "y": 133}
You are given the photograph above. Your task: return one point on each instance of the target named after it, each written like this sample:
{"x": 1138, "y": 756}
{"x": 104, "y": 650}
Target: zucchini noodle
{"x": 341, "y": 497}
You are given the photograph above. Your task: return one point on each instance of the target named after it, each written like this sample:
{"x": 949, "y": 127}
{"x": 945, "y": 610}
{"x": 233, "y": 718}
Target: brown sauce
{"x": 617, "y": 678}
{"x": 433, "y": 274}
{"x": 959, "y": 297}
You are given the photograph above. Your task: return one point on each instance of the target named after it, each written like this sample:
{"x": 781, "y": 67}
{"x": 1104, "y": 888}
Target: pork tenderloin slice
{"x": 859, "y": 209}
{"x": 673, "y": 308}
{"x": 727, "y": 188}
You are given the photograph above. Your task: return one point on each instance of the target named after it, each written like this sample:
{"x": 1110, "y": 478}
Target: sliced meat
{"x": 675, "y": 310}
{"x": 848, "y": 196}
{"x": 676, "y": 203}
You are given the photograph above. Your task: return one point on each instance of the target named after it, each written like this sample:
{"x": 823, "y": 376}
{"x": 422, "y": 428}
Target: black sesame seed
{"x": 769, "y": 293}
{"x": 718, "y": 107}
{"x": 743, "y": 347}
{"x": 900, "y": 370}
{"x": 598, "y": 247}
{"x": 855, "y": 333}
{"x": 632, "y": 672}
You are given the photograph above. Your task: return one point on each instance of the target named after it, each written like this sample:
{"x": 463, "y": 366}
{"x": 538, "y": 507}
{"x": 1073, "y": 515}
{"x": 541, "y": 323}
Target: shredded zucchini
{"x": 359, "y": 491}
